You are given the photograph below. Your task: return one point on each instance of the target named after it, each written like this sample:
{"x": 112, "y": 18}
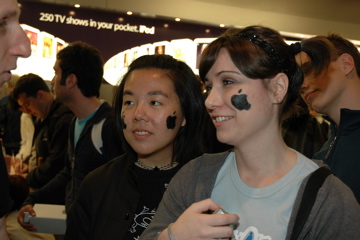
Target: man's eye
{"x": 156, "y": 103}
{"x": 2, "y": 24}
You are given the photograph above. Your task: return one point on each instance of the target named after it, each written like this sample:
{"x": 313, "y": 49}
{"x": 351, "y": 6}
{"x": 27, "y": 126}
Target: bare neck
{"x": 82, "y": 107}
{"x": 262, "y": 163}
{"x": 350, "y": 99}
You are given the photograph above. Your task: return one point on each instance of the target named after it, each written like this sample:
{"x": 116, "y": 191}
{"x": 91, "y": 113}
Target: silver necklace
{"x": 163, "y": 168}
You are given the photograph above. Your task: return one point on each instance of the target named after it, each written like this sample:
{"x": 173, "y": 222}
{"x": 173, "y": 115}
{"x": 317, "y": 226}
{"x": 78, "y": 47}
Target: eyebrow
{"x": 8, "y": 14}
{"x": 152, "y": 93}
{"x": 156, "y": 93}
{"x": 223, "y": 72}
{"x": 231, "y": 72}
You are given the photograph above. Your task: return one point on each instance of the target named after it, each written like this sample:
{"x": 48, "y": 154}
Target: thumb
{"x": 205, "y": 205}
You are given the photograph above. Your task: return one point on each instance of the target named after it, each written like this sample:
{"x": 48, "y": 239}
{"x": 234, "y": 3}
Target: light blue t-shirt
{"x": 264, "y": 212}
{"x": 79, "y": 126}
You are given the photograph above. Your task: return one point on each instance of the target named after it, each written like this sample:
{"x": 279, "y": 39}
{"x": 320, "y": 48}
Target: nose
{"x": 140, "y": 113}
{"x": 21, "y": 43}
{"x": 24, "y": 109}
{"x": 213, "y": 99}
{"x": 304, "y": 86}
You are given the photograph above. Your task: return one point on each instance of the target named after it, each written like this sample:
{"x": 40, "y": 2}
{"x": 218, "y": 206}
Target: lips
{"x": 309, "y": 96}
{"x": 220, "y": 120}
{"x": 7, "y": 76}
{"x": 141, "y": 133}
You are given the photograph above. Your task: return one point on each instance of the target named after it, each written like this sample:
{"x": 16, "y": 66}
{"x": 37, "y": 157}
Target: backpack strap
{"x": 312, "y": 187}
{"x": 96, "y": 137}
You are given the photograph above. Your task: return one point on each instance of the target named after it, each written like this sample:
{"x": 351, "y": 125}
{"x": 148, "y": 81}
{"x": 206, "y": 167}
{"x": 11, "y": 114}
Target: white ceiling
{"x": 301, "y": 16}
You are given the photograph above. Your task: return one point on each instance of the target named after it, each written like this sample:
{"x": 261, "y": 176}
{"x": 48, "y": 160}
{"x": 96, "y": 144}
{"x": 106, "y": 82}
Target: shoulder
{"x": 62, "y": 110}
{"x": 209, "y": 161}
{"x": 336, "y": 189}
{"x": 203, "y": 167}
{"x": 105, "y": 111}
{"x": 107, "y": 171}
{"x": 337, "y": 202}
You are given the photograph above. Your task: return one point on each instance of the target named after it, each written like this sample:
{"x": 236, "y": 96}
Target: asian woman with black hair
{"x": 159, "y": 108}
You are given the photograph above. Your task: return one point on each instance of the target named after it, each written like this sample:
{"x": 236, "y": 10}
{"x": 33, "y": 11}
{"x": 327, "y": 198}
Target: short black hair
{"x": 86, "y": 63}
{"x": 323, "y": 50}
{"x": 29, "y": 84}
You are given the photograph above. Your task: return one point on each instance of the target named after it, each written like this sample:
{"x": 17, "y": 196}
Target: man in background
{"x": 331, "y": 66}
{"x": 51, "y": 129}
{"x": 93, "y": 138}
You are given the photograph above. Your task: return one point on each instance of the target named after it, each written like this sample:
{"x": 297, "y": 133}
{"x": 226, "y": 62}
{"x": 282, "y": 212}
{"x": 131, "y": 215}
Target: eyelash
{"x": 128, "y": 103}
{"x": 227, "y": 82}
{"x": 208, "y": 88}
{"x": 155, "y": 103}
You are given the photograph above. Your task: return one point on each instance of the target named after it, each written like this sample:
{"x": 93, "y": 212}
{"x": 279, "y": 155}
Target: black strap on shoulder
{"x": 312, "y": 187}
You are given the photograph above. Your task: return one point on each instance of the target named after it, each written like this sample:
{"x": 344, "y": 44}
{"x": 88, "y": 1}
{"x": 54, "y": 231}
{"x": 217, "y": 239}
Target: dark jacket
{"x": 5, "y": 200}
{"x": 107, "y": 202}
{"x": 9, "y": 127}
{"x": 305, "y": 134}
{"x": 342, "y": 150}
{"x": 81, "y": 160}
{"x": 50, "y": 140}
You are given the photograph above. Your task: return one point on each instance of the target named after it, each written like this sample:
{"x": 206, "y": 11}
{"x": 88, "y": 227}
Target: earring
{"x": 279, "y": 100}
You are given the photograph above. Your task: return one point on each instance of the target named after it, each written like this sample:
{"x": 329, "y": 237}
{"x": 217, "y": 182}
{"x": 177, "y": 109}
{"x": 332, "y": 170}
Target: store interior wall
{"x": 305, "y": 16}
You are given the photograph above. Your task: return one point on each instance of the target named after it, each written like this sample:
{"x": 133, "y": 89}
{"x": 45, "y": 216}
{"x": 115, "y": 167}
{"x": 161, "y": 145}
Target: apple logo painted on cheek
{"x": 170, "y": 121}
{"x": 240, "y": 101}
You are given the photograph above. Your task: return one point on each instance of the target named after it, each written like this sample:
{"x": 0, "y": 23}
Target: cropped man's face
{"x": 13, "y": 41}
{"x": 323, "y": 91}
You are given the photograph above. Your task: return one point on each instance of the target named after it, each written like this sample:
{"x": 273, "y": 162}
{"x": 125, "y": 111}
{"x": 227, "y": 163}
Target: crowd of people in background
{"x": 267, "y": 135}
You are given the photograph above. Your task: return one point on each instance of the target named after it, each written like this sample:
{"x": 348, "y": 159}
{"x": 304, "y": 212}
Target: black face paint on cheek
{"x": 123, "y": 122}
{"x": 240, "y": 101}
{"x": 170, "y": 121}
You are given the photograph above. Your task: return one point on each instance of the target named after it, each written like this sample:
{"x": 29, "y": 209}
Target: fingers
{"x": 204, "y": 206}
{"x": 195, "y": 224}
{"x": 30, "y": 210}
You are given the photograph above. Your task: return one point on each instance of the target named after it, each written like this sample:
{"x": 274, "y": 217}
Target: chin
{"x": 223, "y": 139}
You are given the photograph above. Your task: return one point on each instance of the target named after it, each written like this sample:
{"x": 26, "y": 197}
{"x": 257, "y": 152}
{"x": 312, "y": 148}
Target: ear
{"x": 279, "y": 85}
{"x": 347, "y": 63}
{"x": 71, "y": 81}
{"x": 40, "y": 94}
{"x": 183, "y": 122}
{"x": 302, "y": 58}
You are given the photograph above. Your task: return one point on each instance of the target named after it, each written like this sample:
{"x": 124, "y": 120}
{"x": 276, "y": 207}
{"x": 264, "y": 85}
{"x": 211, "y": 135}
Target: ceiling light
{"x": 222, "y": 25}
{"x": 177, "y": 19}
{"x": 129, "y": 13}
{"x": 77, "y": 5}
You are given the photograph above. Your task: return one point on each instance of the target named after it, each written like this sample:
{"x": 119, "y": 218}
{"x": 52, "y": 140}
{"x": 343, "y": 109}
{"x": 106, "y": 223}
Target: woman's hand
{"x": 194, "y": 224}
